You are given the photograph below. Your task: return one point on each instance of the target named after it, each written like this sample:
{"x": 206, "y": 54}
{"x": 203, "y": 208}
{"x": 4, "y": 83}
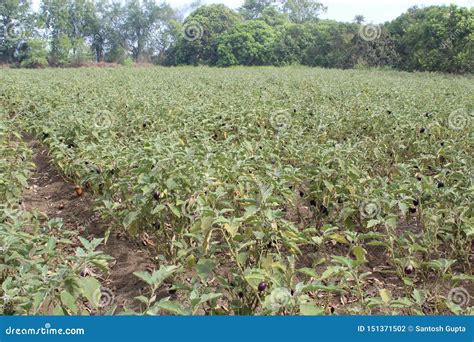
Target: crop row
{"x": 272, "y": 190}
{"x": 37, "y": 275}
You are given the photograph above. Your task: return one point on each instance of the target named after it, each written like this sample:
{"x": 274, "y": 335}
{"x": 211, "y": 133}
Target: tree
{"x": 291, "y": 44}
{"x": 97, "y": 29}
{"x": 68, "y": 23}
{"x": 301, "y": 11}
{"x": 359, "y": 19}
{"x": 198, "y": 39}
{"x": 34, "y": 54}
{"x": 435, "y": 38}
{"x": 15, "y": 17}
{"x": 248, "y": 43}
{"x": 116, "y": 45}
{"x": 254, "y": 9}
{"x": 143, "y": 20}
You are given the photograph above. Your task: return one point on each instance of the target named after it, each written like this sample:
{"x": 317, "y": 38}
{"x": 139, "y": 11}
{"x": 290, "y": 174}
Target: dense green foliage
{"x": 247, "y": 43}
{"x": 437, "y": 38}
{"x": 284, "y": 191}
{"x": 261, "y": 32}
{"x": 202, "y": 29}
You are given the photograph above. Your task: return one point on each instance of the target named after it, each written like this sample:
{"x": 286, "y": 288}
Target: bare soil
{"x": 49, "y": 192}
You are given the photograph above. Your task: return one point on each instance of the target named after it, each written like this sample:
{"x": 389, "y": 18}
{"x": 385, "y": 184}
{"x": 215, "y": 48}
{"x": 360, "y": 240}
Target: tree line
{"x": 261, "y": 32}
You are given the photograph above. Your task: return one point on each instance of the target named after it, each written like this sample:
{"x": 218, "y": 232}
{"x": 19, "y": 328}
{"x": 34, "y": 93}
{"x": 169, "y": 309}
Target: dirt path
{"x": 52, "y": 195}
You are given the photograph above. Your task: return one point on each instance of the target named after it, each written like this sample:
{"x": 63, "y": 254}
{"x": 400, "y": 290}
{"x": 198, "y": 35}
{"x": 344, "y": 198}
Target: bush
{"x": 34, "y": 54}
{"x": 248, "y": 43}
{"x": 82, "y": 54}
{"x": 127, "y": 62}
{"x": 60, "y": 51}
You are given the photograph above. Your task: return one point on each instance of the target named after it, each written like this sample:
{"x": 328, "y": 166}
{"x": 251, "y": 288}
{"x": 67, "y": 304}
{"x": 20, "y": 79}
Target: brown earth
{"x": 49, "y": 192}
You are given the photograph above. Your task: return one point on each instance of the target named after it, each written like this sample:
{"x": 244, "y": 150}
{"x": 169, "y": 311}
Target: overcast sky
{"x": 376, "y": 11}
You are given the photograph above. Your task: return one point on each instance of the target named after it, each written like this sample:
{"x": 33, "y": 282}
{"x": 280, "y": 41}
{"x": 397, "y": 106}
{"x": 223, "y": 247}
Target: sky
{"x": 374, "y": 11}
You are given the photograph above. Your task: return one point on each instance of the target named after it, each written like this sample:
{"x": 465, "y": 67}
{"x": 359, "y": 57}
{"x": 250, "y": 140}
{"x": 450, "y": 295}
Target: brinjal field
{"x": 260, "y": 191}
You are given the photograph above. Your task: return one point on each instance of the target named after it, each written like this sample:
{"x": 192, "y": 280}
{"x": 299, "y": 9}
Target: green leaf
{"x": 339, "y": 238}
{"x": 204, "y": 298}
{"x": 360, "y": 254}
{"x": 401, "y": 303}
{"x": 403, "y": 208}
{"x": 328, "y": 185}
{"x": 145, "y": 276}
{"x": 172, "y": 306}
{"x": 205, "y": 268}
{"x": 91, "y": 290}
{"x": 158, "y": 209}
{"x": 174, "y": 210}
{"x": 320, "y": 287}
{"x": 68, "y": 301}
{"x": 142, "y": 299}
{"x": 51, "y": 245}
{"x": 392, "y": 222}
{"x": 419, "y": 296}
{"x": 386, "y": 295}
{"x": 254, "y": 277}
{"x": 309, "y": 272}
{"x": 232, "y": 228}
{"x": 130, "y": 222}
{"x": 171, "y": 184}
{"x": 310, "y": 309}
{"x": 130, "y": 218}
{"x": 343, "y": 261}
{"x": 162, "y": 274}
{"x": 372, "y": 223}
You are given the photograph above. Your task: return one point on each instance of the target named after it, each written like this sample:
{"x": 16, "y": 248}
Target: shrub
{"x": 34, "y": 54}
